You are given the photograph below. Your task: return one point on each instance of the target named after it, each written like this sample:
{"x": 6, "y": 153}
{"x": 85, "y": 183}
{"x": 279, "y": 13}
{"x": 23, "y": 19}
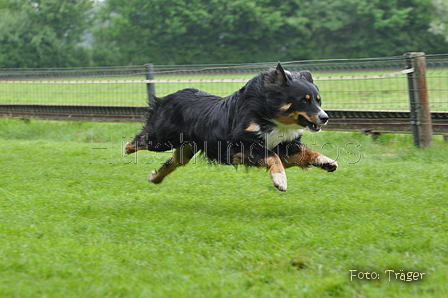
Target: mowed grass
{"x": 79, "y": 219}
{"x": 389, "y": 93}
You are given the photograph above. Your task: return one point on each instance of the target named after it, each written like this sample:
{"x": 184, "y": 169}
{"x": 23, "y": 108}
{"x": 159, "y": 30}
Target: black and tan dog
{"x": 259, "y": 125}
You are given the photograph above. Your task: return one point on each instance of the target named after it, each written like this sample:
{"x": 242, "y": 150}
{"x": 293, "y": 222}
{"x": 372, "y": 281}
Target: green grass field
{"x": 367, "y": 94}
{"x": 79, "y": 219}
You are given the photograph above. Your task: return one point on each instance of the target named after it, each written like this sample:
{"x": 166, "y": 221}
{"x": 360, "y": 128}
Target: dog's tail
{"x": 153, "y": 102}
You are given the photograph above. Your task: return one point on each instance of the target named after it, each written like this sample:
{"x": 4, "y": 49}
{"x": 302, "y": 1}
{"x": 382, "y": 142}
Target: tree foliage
{"x": 196, "y": 31}
{"x": 374, "y": 28}
{"x": 38, "y": 33}
{"x": 43, "y": 33}
{"x": 439, "y": 24}
{"x": 222, "y": 31}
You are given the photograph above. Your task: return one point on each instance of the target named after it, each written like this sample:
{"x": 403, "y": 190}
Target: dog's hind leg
{"x": 181, "y": 156}
{"x": 261, "y": 157}
{"x": 138, "y": 143}
{"x": 296, "y": 154}
{"x": 142, "y": 142}
{"x": 131, "y": 147}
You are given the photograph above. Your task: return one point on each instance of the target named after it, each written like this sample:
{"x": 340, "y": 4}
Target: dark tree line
{"x": 43, "y": 33}
{"x": 53, "y": 33}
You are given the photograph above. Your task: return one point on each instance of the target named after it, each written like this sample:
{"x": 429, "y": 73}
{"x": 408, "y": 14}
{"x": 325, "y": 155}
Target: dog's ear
{"x": 306, "y": 75}
{"x": 281, "y": 75}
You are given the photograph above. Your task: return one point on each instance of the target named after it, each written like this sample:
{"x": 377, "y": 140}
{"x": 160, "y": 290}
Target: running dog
{"x": 259, "y": 125}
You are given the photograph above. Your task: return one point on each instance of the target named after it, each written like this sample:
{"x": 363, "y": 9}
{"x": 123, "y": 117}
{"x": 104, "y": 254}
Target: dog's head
{"x": 297, "y": 98}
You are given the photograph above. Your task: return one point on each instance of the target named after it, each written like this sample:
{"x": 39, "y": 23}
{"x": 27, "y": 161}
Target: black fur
{"x": 222, "y": 128}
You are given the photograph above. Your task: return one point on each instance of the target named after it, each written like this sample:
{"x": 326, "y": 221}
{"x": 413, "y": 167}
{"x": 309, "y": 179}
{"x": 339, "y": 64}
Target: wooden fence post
{"x": 150, "y": 87}
{"x": 418, "y": 96}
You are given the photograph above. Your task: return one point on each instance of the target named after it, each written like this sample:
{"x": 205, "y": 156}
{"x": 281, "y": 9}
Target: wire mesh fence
{"x": 437, "y": 81}
{"x": 76, "y": 86}
{"x": 357, "y": 84}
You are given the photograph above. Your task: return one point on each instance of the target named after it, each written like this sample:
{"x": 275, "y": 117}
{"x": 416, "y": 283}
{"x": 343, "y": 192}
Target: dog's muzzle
{"x": 317, "y": 121}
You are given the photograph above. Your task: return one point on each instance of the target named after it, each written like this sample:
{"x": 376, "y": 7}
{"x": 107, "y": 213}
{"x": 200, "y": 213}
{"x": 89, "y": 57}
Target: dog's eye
{"x": 306, "y": 98}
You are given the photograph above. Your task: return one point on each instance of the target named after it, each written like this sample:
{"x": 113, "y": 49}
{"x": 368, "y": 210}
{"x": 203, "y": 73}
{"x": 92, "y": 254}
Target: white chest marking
{"x": 282, "y": 133}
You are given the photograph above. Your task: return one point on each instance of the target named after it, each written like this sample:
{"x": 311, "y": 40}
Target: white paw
{"x": 280, "y": 181}
{"x": 152, "y": 176}
{"x": 326, "y": 164}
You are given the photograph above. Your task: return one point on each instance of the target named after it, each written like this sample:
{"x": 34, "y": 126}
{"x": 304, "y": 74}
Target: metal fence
{"x": 359, "y": 84}
{"x": 350, "y": 85}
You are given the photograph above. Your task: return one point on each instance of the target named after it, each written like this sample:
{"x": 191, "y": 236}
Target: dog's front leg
{"x": 296, "y": 154}
{"x": 255, "y": 155}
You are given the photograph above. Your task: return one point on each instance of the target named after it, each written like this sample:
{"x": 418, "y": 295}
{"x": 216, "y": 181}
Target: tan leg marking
{"x": 238, "y": 159}
{"x": 278, "y": 174}
{"x": 307, "y": 157}
{"x": 271, "y": 163}
{"x": 131, "y": 148}
{"x": 181, "y": 157}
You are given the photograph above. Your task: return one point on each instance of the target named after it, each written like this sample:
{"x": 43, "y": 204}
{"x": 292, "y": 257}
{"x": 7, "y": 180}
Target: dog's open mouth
{"x": 308, "y": 124}
{"x": 314, "y": 127}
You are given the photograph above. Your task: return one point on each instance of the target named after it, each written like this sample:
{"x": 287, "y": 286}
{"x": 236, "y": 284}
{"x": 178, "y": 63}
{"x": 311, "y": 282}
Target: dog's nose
{"x": 323, "y": 118}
